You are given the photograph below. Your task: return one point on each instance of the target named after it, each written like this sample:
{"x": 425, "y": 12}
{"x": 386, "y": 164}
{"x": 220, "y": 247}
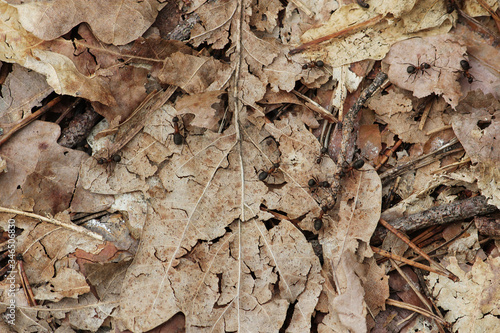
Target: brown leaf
{"x": 441, "y": 53}
{"x": 21, "y": 91}
{"x": 109, "y": 21}
{"x": 39, "y": 166}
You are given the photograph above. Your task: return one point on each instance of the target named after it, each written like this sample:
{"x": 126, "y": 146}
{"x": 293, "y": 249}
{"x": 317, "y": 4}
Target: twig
{"x": 457, "y": 211}
{"x": 489, "y": 226}
{"x": 417, "y": 249}
{"x": 353, "y": 28}
{"x": 410, "y": 283}
{"x": 388, "y": 153}
{"x": 130, "y": 127}
{"x": 53, "y": 221}
{"x": 390, "y": 255}
{"x": 30, "y": 119}
{"x": 425, "y": 114}
{"x": 348, "y": 133}
{"x": 25, "y": 282}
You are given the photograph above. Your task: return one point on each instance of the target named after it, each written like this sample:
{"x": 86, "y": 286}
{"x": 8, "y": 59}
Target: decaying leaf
{"x": 236, "y": 217}
{"x": 478, "y": 133}
{"x": 473, "y": 303}
{"x": 22, "y": 91}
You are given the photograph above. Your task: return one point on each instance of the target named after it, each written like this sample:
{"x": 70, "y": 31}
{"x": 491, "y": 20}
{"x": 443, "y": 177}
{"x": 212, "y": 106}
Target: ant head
{"x": 324, "y": 184}
{"x": 465, "y": 65}
{"x": 323, "y": 150}
{"x": 101, "y": 161}
{"x": 305, "y": 66}
{"x": 276, "y": 165}
{"x": 116, "y": 158}
{"x": 410, "y": 69}
{"x": 320, "y": 63}
{"x": 175, "y": 119}
{"x": 426, "y": 65}
{"x": 312, "y": 182}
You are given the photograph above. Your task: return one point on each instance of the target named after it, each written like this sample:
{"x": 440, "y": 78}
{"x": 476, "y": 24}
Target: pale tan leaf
{"x": 472, "y": 304}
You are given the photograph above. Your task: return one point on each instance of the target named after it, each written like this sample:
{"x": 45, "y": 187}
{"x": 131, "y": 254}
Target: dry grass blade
{"x": 53, "y": 221}
{"x": 418, "y": 310}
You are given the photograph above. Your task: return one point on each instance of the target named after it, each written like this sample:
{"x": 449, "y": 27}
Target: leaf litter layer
{"x": 228, "y": 250}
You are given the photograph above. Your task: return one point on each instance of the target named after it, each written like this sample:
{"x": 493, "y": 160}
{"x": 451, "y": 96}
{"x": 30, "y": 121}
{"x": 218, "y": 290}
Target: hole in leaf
{"x": 482, "y": 124}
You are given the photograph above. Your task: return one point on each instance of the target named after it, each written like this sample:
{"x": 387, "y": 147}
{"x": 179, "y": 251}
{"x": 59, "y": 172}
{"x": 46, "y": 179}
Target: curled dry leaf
{"x": 110, "y": 21}
{"x": 477, "y": 126}
{"x": 21, "y": 91}
{"x": 22, "y": 47}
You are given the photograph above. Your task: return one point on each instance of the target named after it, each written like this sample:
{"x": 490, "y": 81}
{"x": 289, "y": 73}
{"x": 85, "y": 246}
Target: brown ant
{"x": 451, "y": 6}
{"x": 264, "y": 174}
{"x": 318, "y": 221}
{"x": 363, "y": 4}
{"x": 414, "y": 70}
{"x": 323, "y": 153}
{"x": 314, "y": 183}
{"x": 356, "y": 165}
{"x": 114, "y": 158}
{"x": 465, "y": 71}
{"x": 313, "y": 64}
{"x": 178, "y": 138}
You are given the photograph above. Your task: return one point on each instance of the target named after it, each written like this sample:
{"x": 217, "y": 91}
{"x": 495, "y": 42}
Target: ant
{"x": 264, "y": 174}
{"x": 314, "y": 183}
{"x": 318, "y": 221}
{"x": 451, "y": 6}
{"x": 465, "y": 71}
{"x": 178, "y": 138}
{"x": 356, "y": 165}
{"x": 413, "y": 70}
{"x": 114, "y": 158}
{"x": 363, "y": 4}
{"x": 313, "y": 64}
{"x": 323, "y": 153}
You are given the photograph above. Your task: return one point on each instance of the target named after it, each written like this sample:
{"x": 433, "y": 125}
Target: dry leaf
{"x": 477, "y": 127}
{"x": 472, "y": 304}
{"x": 109, "y": 21}
{"x": 21, "y": 91}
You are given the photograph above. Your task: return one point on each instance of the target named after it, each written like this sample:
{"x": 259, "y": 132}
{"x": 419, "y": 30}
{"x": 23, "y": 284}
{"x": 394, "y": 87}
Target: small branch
{"x": 417, "y": 249}
{"x": 26, "y": 121}
{"x": 457, "y": 211}
{"x": 351, "y": 29}
{"x": 348, "y": 133}
{"x": 393, "y": 256}
{"x": 53, "y": 221}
